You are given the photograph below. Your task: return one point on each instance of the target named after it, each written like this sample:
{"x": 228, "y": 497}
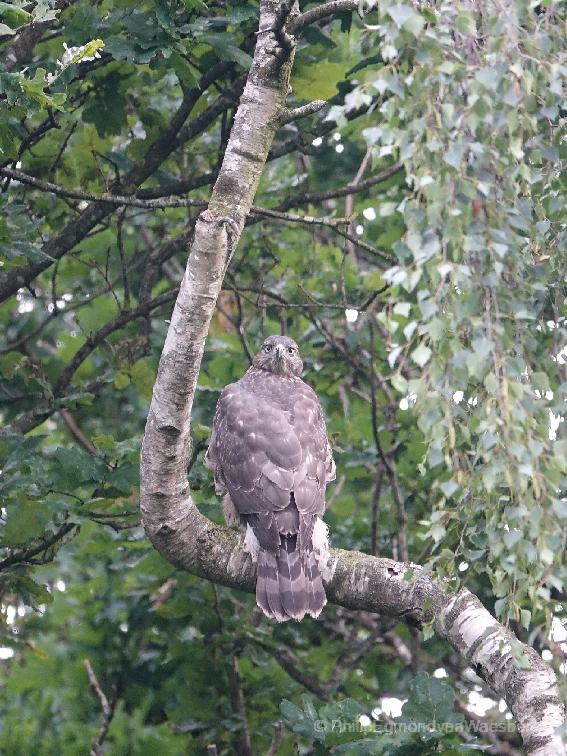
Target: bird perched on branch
{"x": 272, "y": 459}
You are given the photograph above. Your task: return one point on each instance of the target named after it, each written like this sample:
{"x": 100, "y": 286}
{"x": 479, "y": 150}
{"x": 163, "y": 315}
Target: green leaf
{"x": 525, "y": 618}
{"x": 78, "y": 466}
{"x": 489, "y": 77}
{"x": 26, "y": 521}
{"x": 399, "y": 383}
{"x": 431, "y": 702}
{"x": 107, "y": 108}
{"x": 121, "y": 381}
{"x": 402, "y": 308}
{"x": 421, "y": 355}
{"x": 540, "y": 381}
{"x": 34, "y": 89}
{"x": 317, "y": 82}
{"x": 465, "y": 23}
{"x": 224, "y": 47}
{"x": 129, "y": 50}
{"x": 304, "y": 721}
{"x": 13, "y": 16}
{"x": 449, "y": 487}
{"x": 404, "y": 16}
{"x": 30, "y": 593}
{"x": 183, "y": 70}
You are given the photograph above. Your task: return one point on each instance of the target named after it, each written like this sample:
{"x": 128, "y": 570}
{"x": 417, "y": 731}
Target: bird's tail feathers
{"x": 289, "y": 583}
{"x": 316, "y": 593}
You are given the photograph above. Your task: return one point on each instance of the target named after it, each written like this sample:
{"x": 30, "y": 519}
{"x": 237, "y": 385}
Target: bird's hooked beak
{"x": 280, "y": 351}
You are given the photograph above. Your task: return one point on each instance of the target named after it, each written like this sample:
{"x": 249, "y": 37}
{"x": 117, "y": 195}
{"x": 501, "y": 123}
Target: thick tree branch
{"x": 187, "y": 539}
{"x": 216, "y": 234}
{"x": 513, "y": 670}
{"x": 24, "y": 42}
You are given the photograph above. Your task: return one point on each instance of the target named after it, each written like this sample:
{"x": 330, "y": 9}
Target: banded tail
{"x": 289, "y": 583}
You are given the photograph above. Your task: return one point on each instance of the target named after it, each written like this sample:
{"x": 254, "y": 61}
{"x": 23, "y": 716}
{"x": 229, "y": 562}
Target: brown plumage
{"x": 272, "y": 460}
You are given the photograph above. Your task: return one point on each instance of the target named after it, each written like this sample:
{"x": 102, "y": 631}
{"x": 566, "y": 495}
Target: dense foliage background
{"x": 431, "y": 322}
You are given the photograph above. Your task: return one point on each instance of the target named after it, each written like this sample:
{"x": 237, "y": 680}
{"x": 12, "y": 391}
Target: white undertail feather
{"x": 251, "y": 544}
{"x": 320, "y": 541}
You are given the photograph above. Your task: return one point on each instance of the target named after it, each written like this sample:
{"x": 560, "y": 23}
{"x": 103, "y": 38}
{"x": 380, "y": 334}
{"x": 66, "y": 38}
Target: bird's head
{"x": 280, "y": 355}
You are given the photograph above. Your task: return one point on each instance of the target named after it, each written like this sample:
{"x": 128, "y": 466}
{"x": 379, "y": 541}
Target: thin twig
{"x": 123, "y": 265}
{"x": 349, "y": 199}
{"x": 376, "y": 510}
{"x": 277, "y": 739}
{"x": 162, "y": 203}
{"x": 238, "y": 322}
{"x": 77, "y": 433}
{"x": 62, "y": 149}
{"x": 113, "y": 199}
{"x": 360, "y": 186}
{"x": 308, "y": 219}
{"x": 25, "y": 556}
{"x": 378, "y": 253}
{"x": 107, "y": 706}
{"x": 238, "y": 705}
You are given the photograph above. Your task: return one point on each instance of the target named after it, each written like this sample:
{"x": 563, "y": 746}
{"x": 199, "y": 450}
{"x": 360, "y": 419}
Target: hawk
{"x": 272, "y": 459}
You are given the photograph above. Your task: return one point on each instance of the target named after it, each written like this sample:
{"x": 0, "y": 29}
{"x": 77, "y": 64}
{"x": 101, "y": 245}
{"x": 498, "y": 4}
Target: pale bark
{"x": 193, "y": 543}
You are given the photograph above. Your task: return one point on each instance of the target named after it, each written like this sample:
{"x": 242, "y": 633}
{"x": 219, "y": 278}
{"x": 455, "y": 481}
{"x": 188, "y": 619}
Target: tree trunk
{"x": 187, "y": 539}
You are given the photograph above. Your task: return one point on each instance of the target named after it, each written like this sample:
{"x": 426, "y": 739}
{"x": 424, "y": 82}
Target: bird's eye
{"x": 290, "y": 350}
{"x": 268, "y": 348}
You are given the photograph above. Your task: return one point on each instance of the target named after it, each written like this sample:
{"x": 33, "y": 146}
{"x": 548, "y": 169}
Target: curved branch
{"x": 394, "y": 589}
{"x": 189, "y": 540}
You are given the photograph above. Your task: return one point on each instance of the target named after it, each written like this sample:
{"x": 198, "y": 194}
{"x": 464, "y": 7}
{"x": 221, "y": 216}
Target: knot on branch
{"x": 207, "y": 216}
{"x": 165, "y": 529}
{"x": 285, "y": 42}
{"x": 171, "y": 431}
